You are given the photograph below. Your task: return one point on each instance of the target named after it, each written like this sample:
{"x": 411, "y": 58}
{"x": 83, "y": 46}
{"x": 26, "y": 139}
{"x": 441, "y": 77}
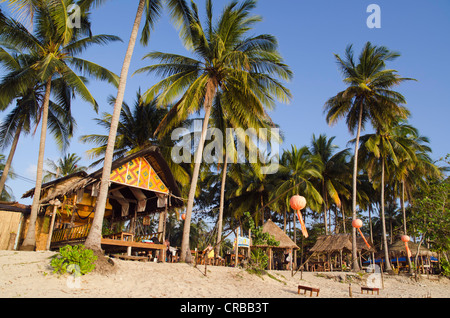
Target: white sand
{"x": 28, "y": 274}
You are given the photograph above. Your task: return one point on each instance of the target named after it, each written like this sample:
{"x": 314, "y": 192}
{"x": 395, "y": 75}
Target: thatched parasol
{"x": 279, "y": 235}
{"x": 398, "y": 250}
{"x": 340, "y": 242}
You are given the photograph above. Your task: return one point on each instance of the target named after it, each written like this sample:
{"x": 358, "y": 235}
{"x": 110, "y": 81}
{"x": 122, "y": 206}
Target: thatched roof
{"x": 398, "y": 249}
{"x": 340, "y": 242}
{"x": 74, "y": 182}
{"x": 279, "y": 235}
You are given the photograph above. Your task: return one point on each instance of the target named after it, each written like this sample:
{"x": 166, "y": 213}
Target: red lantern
{"x": 405, "y": 239}
{"x": 357, "y": 224}
{"x": 298, "y": 203}
{"x": 183, "y": 216}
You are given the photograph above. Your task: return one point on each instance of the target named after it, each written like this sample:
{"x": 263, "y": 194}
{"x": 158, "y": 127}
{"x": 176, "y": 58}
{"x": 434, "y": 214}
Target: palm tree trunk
{"x": 93, "y": 240}
{"x": 222, "y": 201}
{"x": 10, "y": 157}
{"x": 383, "y": 221}
{"x": 324, "y": 208}
{"x": 211, "y": 88}
{"x": 402, "y": 203}
{"x": 355, "y": 175}
{"x": 29, "y": 243}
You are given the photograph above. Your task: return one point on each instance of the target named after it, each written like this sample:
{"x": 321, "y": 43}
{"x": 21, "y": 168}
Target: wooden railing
{"x": 69, "y": 234}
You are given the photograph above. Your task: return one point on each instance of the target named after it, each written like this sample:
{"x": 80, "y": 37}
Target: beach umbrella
{"x": 298, "y": 203}
{"x": 357, "y": 223}
{"x": 405, "y": 239}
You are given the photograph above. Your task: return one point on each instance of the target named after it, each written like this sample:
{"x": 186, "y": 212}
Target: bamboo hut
{"x": 286, "y": 244}
{"x": 141, "y": 184}
{"x": 397, "y": 254}
{"x": 328, "y": 246}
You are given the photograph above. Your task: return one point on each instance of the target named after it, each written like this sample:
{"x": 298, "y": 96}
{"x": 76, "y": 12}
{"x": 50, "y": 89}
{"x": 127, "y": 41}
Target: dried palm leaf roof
{"x": 398, "y": 249}
{"x": 285, "y": 242}
{"x": 74, "y": 182}
{"x": 340, "y": 242}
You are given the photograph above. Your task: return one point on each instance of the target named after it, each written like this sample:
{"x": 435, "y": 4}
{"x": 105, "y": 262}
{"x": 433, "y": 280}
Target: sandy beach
{"x": 29, "y": 275}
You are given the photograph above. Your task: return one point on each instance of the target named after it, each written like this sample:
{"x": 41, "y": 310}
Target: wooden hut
{"x": 141, "y": 184}
{"x": 286, "y": 244}
{"x": 328, "y": 246}
{"x": 13, "y": 220}
{"x": 397, "y": 254}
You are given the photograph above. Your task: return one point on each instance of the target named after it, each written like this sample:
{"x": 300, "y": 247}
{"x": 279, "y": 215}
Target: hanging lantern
{"x": 298, "y": 203}
{"x": 357, "y": 224}
{"x": 405, "y": 239}
{"x": 183, "y": 216}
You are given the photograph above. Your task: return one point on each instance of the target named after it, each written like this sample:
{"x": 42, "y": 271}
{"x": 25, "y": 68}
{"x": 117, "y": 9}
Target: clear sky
{"x": 309, "y": 32}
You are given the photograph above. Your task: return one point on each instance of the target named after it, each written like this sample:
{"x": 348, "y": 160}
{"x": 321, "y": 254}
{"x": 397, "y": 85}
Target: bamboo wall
{"x": 9, "y": 223}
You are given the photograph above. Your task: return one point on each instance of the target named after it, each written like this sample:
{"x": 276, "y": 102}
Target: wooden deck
{"x": 139, "y": 245}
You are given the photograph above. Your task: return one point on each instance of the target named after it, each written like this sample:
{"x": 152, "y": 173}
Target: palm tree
{"x": 64, "y": 167}
{"x": 390, "y": 145}
{"x": 152, "y": 10}
{"x": 6, "y": 195}
{"x": 334, "y": 171}
{"x": 241, "y": 67}
{"x": 53, "y": 47}
{"x": 368, "y": 97}
{"x": 28, "y": 111}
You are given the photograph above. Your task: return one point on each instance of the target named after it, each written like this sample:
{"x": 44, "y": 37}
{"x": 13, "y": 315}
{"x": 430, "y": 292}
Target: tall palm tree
{"x": 27, "y": 112}
{"x": 368, "y": 97}
{"x": 152, "y": 9}
{"x": 65, "y": 166}
{"x": 334, "y": 172}
{"x": 389, "y": 145}
{"x": 243, "y": 68}
{"x": 53, "y": 47}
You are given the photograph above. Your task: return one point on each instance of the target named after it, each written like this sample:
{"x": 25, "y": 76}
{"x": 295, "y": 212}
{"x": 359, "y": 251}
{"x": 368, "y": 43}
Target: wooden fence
{"x": 71, "y": 234}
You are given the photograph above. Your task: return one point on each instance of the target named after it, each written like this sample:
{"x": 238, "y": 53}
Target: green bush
{"x": 73, "y": 259}
{"x": 445, "y": 265}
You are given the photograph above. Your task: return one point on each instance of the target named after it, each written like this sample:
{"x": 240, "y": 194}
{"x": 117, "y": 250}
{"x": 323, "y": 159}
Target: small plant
{"x": 445, "y": 265}
{"x": 73, "y": 258}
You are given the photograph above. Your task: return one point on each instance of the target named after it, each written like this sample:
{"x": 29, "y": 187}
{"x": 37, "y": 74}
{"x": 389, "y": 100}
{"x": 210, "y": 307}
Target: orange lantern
{"x": 183, "y": 216}
{"x": 405, "y": 239}
{"x": 357, "y": 224}
{"x": 298, "y": 203}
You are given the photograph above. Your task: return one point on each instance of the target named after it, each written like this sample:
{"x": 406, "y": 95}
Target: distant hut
{"x": 397, "y": 254}
{"x": 332, "y": 245}
{"x": 286, "y": 244}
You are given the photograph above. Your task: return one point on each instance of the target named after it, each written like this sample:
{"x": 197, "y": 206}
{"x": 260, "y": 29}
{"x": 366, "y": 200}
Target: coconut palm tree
{"x": 63, "y": 167}
{"x": 152, "y": 9}
{"x": 243, "y": 68}
{"x": 334, "y": 172}
{"x": 389, "y": 145}
{"x": 53, "y": 49}
{"x": 369, "y": 97}
{"x": 27, "y": 112}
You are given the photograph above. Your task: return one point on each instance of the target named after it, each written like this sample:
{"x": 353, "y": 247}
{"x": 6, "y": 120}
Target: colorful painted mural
{"x": 138, "y": 173}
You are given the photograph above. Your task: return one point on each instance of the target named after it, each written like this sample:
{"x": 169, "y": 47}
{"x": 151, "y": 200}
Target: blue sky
{"x": 309, "y": 32}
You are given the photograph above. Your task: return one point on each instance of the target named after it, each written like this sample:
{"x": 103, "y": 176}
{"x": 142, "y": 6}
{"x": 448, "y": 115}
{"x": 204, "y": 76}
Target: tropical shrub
{"x": 77, "y": 259}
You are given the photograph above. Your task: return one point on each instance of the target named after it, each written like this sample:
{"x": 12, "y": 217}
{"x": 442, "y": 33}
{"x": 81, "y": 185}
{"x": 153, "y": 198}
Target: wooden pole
{"x": 50, "y": 232}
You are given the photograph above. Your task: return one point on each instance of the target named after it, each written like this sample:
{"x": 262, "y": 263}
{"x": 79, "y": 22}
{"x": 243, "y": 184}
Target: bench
{"x": 372, "y": 289}
{"x": 310, "y": 289}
